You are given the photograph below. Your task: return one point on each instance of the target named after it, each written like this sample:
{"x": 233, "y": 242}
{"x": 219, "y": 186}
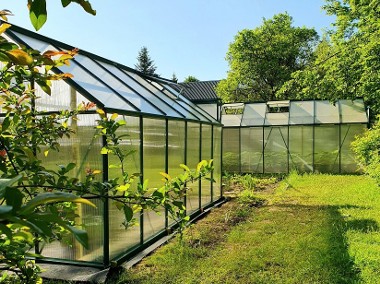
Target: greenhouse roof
{"x": 116, "y": 87}
{"x": 277, "y": 113}
{"x": 201, "y": 91}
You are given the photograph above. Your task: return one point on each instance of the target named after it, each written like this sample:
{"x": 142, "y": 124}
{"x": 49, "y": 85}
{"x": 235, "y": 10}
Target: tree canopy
{"x": 262, "y": 59}
{"x": 347, "y": 65}
{"x": 190, "y": 79}
{"x": 144, "y": 63}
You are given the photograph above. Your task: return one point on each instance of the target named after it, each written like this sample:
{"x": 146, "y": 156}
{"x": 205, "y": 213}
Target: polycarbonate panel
{"x": 326, "y": 149}
{"x": 154, "y": 151}
{"x": 130, "y": 145}
{"x": 301, "y": 112}
{"x": 193, "y": 158}
{"x": 231, "y": 148}
{"x": 82, "y": 148}
{"x": 348, "y": 133}
{"x": 176, "y": 149}
{"x": 275, "y": 150}
{"x": 158, "y": 99}
{"x": 353, "y": 111}
{"x": 252, "y": 150}
{"x": 217, "y": 162}
{"x": 121, "y": 238}
{"x": 326, "y": 112}
{"x": 94, "y": 87}
{"x": 301, "y": 148}
{"x": 231, "y": 119}
{"x": 211, "y": 109}
{"x": 254, "y": 114}
{"x": 206, "y": 155}
{"x": 120, "y": 87}
{"x": 277, "y": 118}
{"x": 91, "y": 219}
{"x": 63, "y": 97}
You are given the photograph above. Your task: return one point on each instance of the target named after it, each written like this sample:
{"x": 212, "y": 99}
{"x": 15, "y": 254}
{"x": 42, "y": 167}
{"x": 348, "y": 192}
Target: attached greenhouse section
{"x": 281, "y": 136}
{"x": 163, "y": 130}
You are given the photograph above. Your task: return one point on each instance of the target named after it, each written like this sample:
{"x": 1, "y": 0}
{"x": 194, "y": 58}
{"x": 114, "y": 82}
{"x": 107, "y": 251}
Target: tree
{"x": 351, "y": 69}
{"x": 190, "y": 79}
{"x": 174, "y": 78}
{"x": 144, "y": 63}
{"x": 262, "y": 59}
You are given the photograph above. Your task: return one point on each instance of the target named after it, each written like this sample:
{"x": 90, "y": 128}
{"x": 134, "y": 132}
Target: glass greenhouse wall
{"x": 164, "y": 130}
{"x": 306, "y": 136}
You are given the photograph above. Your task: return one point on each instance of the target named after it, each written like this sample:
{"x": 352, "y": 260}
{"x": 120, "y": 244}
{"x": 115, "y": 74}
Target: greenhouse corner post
{"x": 106, "y": 250}
{"x": 166, "y": 163}
{"x": 212, "y": 157}
{"x": 185, "y": 162}
{"x": 240, "y": 149}
{"x": 200, "y": 159}
{"x": 141, "y": 176}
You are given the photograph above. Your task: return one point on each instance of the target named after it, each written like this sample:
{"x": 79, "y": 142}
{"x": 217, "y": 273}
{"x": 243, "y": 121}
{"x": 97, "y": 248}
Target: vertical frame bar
{"x": 166, "y": 162}
{"x": 240, "y": 150}
{"x": 106, "y": 226}
{"x": 200, "y": 159}
{"x": 212, "y": 157}
{"x": 185, "y": 161}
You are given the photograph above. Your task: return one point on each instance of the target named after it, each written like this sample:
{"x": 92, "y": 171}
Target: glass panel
{"x": 117, "y": 85}
{"x": 276, "y": 150}
{"x": 252, "y": 150}
{"x": 92, "y": 221}
{"x": 301, "y": 148}
{"x": 231, "y": 148}
{"x": 160, "y": 100}
{"x": 353, "y": 111}
{"x": 254, "y": 114}
{"x": 301, "y": 112}
{"x": 326, "y": 149}
{"x": 206, "y": 155}
{"x": 217, "y": 175}
{"x": 348, "y": 133}
{"x": 193, "y": 158}
{"x": 154, "y": 132}
{"x": 325, "y": 112}
{"x": 176, "y": 149}
{"x": 97, "y": 89}
{"x": 185, "y": 103}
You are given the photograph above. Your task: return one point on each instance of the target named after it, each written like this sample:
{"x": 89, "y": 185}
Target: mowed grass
{"x": 312, "y": 229}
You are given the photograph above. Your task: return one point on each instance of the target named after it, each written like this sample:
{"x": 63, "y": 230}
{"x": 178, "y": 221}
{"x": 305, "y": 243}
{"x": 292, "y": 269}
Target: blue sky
{"x": 183, "y": 37}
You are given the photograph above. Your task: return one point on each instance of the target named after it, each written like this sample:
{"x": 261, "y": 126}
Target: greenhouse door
{"x": 276, "y": 150}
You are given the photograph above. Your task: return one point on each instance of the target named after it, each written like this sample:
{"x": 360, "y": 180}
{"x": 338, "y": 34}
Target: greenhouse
{"x": 280, "y": 136}
{"x": 164, "y": 130}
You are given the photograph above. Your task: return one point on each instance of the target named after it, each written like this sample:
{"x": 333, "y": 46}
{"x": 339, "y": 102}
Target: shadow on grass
{"x": 329, "y": 227}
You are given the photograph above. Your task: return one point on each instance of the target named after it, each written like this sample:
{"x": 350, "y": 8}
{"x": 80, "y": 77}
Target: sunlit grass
{"x": 311, "y": 229}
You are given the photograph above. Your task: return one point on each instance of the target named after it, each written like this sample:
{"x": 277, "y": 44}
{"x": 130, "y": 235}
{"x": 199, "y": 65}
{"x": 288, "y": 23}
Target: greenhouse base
{"x": 88, "y": 274}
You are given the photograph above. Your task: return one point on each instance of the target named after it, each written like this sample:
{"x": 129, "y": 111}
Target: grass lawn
{"x": 312, "y": 229}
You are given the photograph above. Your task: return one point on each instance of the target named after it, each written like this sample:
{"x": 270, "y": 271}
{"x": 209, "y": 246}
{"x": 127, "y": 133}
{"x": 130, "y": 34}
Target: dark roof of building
{"x": 201, "y": 91}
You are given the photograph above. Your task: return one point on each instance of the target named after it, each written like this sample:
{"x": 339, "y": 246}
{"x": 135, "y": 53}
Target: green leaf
{"x": 5, "y": 209}
{"x": 38, "y": 13}
{"x": 65, "y": 3}
{"x": 6, "y": 123}
{"x": 128, "y": 212}
{"x": 5, "y": 230}
{"x": 52, "y": 197}
{"x": 13, "y": 197}
{"x": 80, "y": 235}
{"x": 4, "y": 183}
{"x": 186, "y": 168}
